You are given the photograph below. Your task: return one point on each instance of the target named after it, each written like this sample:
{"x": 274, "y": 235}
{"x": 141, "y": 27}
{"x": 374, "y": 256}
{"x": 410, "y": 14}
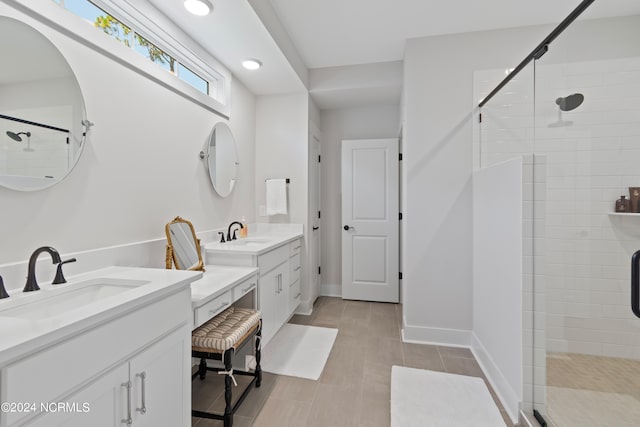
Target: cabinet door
{"x": 282, "y": 297}
{"x": 103, "y": 403}
{"x": 160, "y": 375}
{"x": 267, "y": 291}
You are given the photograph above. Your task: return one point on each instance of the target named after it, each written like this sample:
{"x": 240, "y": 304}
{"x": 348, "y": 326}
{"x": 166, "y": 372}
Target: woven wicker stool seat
{"x": 218, "y": 339}
{"x": 227, "y": 330}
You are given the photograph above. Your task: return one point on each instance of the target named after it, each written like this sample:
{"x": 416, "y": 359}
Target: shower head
{"x": 16, "y": 136}
{"x": 570, "y": 102}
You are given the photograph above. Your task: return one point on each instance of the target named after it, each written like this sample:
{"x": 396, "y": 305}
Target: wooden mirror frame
{"x": 170, "y": 258}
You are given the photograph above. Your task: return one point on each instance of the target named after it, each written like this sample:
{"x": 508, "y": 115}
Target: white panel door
{"x": 370, "y": 215}
{"x": 314, "y": 202}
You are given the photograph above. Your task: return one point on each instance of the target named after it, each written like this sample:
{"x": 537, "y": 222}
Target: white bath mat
{"x": 422, "y": 398}
{"x": 298, "y": 351}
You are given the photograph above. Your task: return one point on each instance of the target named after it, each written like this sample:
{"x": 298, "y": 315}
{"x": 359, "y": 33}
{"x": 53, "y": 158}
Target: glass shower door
{"x": 587, "y": 125}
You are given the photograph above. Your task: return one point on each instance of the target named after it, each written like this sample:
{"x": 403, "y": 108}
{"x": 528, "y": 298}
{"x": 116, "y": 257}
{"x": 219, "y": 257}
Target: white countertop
{"x": 217, "y": 280}
{"x": 254, "y": 244}
{"x": 25, "y": 335}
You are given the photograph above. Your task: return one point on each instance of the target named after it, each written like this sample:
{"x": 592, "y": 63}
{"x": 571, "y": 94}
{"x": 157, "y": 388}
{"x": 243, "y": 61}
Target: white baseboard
{"x": 436, "y": 336}
{"x": 329, "y": 290}
{"x": 505, "y": 392}
{"x": 305, "y": 308}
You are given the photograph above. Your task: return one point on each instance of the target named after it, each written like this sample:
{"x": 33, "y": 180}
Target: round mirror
{"x": 223, "y": 159}
{"x": 42, "y": 116}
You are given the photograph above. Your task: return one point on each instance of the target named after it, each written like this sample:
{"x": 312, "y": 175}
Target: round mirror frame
{"x": 12, "y": 181}
{"x": 222, "y": 159}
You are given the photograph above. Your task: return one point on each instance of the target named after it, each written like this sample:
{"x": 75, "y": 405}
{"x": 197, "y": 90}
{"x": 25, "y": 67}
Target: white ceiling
{"x": 233, "y": 33}
{"x": 336, "y": 33}
{"x": 330, "y": 33}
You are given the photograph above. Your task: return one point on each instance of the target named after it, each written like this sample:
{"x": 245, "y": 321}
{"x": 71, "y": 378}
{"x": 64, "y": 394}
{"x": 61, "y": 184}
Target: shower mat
{"x": 422, "y": 398}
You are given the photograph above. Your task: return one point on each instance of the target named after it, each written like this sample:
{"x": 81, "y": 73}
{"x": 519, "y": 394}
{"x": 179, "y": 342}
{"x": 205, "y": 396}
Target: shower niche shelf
{"x": 627, "y": 223}
{"x": 623, "y": 214}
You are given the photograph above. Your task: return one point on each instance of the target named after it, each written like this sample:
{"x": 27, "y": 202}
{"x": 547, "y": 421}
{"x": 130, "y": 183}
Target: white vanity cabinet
{"x": 145, "y": 391}
{"x": 133, "y": 364}
{"x": 279, "y": 277}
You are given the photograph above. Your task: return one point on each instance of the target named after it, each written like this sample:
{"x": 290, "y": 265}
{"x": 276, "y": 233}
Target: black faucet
{"x": 3, "y": 291}
{"x": 32, "y": 285}
{"x": 59, "y": 276}
{"x": 229, "y": 235}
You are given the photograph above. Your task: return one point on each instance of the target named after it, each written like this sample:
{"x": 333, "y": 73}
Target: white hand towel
{"x": 276, "y": 196}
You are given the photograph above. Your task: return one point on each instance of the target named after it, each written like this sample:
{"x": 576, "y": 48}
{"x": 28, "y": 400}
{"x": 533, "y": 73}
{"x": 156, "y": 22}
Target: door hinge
{"x": 480, "y": 118}
{"x": 318, "y": 158}
{"x": 400, "y": 215}
{"x": 318, "y": 269}
{"x": 318, "y": 214}
{"x": 400, "y": 275}
{"x": 400, "y": 156}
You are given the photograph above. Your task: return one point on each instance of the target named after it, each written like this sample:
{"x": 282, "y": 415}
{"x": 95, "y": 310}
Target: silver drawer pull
{"x": 128, "y": 421}
{"x": 297, "y": 268}
{"x": 143, "y": 377}
{"x": 253, "y": 285}
{"x": 298, "y": 296}
{"x": 224, "y": 304}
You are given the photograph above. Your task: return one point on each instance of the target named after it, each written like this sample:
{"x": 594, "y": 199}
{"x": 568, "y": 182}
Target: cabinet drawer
{"x": 294, "y": 247}
{"x": 210, "y": 309}
{"x": 245, "y": 287}
{"x": 294, "y": 265}
{"x": 270, "y": 260}
{"x": 294, "y": 296}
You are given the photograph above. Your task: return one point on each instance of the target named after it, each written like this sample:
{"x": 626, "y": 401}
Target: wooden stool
{"x": 219, "y": 339}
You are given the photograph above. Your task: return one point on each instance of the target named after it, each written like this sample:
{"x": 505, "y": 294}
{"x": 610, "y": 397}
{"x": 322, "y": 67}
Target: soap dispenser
{"x": 244, "y": 231}
{"x": 623, "y": 205}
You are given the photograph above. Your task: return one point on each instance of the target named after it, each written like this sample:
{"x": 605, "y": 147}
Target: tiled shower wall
{"x": 590, "y": 163}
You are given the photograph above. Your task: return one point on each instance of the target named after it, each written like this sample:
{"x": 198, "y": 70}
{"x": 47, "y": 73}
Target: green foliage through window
{"x": 121, "y": 32}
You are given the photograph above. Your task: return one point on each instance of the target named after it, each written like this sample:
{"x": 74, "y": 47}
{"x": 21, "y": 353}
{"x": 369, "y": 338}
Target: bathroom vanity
{"x": 103, "y": 349}
{"x": 277, "y": 259}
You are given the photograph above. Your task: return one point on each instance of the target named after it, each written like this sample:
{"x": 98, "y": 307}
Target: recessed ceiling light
{"x": 251, "y": 64}
{"x": 198, "y": 7}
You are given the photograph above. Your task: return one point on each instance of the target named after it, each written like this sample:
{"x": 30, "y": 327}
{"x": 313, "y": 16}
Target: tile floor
{"x": 354, "y": 388}
{"x": 592, "y": 391}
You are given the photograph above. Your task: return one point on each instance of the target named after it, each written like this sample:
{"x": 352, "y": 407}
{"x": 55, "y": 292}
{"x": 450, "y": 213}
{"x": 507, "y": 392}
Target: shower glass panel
{"x": 587, "y": 124}
{"x": 507, "y": 121}
{"x": 506, "y": 131}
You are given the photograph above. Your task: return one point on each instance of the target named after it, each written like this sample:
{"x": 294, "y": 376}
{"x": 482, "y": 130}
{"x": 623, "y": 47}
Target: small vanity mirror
{"x": 222, "y": 159}
{"x": 183, "y": 247}
{"x": 42, "y": 115}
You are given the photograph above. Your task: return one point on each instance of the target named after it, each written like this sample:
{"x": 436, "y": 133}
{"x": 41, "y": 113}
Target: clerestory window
{"x": 206, "y": 82}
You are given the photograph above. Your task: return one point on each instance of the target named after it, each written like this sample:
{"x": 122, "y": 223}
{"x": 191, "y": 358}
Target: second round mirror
{"x": 222, "y": 159}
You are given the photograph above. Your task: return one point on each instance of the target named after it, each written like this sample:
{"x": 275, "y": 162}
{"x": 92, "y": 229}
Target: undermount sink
{"x": 250, "y": 241}
{"x": 56, "y": 301}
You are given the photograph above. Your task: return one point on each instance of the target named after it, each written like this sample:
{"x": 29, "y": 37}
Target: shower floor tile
{"x": 592, "y": 391}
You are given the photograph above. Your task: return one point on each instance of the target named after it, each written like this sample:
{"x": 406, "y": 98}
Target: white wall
{"x": 437, "y": 260}
{"x": 336, "y": 125}
{"x": 282, "y": 151}
{"x": 497, "y": 278}
{"x": 140, "y": 167}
